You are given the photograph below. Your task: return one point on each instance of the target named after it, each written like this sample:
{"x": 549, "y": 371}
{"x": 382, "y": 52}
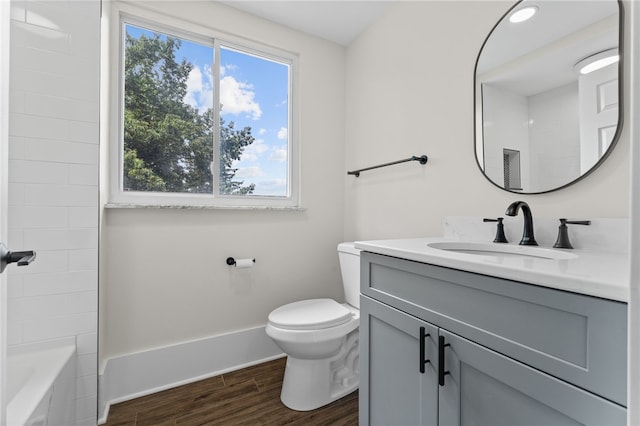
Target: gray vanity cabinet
{"x": 398, "y": 393}
{"x": 486, "y": 388}
{"x": 511, "y": 352}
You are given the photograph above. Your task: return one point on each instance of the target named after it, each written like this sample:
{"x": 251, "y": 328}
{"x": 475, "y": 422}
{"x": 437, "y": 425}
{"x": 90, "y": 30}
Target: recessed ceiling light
{"x": 597, "y": 61}
{"x": 523, "y": 14}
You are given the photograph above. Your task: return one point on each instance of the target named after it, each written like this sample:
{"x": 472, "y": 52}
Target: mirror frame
{"x": 616, "y": 136}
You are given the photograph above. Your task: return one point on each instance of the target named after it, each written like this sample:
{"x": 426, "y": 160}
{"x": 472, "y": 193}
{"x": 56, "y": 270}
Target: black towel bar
{"x": 422, "y": 159}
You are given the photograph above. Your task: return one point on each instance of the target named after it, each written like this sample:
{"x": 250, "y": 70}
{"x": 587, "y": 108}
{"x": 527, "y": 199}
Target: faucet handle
{"x": 500, "y": 237}
{"x": 563, "y": 232}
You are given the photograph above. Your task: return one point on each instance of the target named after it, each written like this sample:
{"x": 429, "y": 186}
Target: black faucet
{"x": 500, "y": 237}
{"x": 563, "y": 232}
{"x": 527, "y": 234}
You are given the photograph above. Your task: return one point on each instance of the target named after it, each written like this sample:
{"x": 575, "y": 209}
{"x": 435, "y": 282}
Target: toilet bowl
{"x": 320, "y": 338}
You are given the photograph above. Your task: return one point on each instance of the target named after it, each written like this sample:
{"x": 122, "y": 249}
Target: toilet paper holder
{"x": 231, "y": 261}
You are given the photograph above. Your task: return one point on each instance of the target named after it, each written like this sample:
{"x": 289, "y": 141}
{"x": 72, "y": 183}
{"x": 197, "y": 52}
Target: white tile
{"x": 63, "y": 16}
{"x": 85, "y": 110}
{"x": 87, "y": 9}
{"x": 43, "y": 82}
{"x": 38, "y": 172}
{"x": 83, "y": 45}
{"x": 67, "y": 282}
{"x": 39, "y": 60}
{"x": 88, "y": 64}
{"x": 15, "y": 216}
{"x": 85, "y": 86}
{"x": 48, "y": 15}
{"x": 87, "y": 386}
{"x": 52, "y": 328}
{"x": 86, "y": 407}
{"x": 32, "y": 126}
{"x": 16, "y": 147}
{"x": 83, "y": 217}
{"x": 87, "y": 365}
{"x": 80, "y": 260}
{"x": 55, "y": 305}
{"x": 60, "y": 151}
{"x": 27, "y": 35}
{"x": 15, "y": 286}
{"x": 81, "y": 174}
{"x": 88, "y": 30}
{"x": 61, "y": 107}
{"x": 17, "y": 100}
{"x": 18, "y": 11}
{"x": 89, "y": 421}
{"x": 14, "y": 240}
{"x": 45, "y": 217}
{"x": 60, "y": 195}
{"x": 83, "y": 131}
{"x": 16, "y": 194}
{"x": 15, "y": 333}
{"x": 61, "y": 239}
{"x": 87, "y": 344}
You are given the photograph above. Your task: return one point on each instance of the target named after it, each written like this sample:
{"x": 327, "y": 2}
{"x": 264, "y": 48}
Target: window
{"x": 202, "y": 121}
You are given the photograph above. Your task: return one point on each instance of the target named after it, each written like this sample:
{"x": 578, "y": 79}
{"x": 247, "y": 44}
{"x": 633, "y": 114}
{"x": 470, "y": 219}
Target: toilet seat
{"x": 312, "y": 314}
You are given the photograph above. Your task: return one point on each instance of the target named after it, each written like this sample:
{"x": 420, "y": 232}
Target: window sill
{"x": 179, "y": 207}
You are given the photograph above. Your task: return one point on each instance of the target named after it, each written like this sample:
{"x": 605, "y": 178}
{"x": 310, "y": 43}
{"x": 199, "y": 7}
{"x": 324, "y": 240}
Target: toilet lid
{"x": 310, "y": 314}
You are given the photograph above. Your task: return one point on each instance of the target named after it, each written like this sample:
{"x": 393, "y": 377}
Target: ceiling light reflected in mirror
{"x": 523, "y": 14}
{"x": 597, "y": 61}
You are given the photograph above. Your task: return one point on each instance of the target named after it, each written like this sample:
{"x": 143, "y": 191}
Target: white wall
{"x": 554, "y": 137}
{"x": 506, "y": 125}
{"x": 53, "y": 180}
{"x": 164, "y": 279}
{"x": 410, "y": 91}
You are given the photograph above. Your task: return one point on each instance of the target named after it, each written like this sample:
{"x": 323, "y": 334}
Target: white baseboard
{"x": 131, "y": 376}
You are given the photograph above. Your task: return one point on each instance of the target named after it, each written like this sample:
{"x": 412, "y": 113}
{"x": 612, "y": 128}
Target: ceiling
{"x": 337, "y": 21}
{"x": 540, "y": 54}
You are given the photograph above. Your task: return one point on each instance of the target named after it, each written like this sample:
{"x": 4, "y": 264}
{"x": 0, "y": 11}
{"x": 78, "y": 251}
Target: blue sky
{"x": 254, "y": 93}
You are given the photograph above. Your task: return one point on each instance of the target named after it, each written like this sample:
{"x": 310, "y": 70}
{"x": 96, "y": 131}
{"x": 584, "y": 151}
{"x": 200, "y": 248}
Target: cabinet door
{"x": 396, "y": 386}
{"x": 482, "y": 387}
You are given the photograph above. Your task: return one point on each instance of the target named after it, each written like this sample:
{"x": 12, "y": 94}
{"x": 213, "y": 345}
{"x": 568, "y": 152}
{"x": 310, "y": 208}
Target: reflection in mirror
{"x": 548, "y": 93}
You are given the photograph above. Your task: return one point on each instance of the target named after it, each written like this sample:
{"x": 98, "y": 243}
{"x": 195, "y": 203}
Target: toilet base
{"x": 312, "y": 383}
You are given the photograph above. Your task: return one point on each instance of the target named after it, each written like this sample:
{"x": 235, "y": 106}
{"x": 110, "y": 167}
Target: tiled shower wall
{"x": 53, "y": 180}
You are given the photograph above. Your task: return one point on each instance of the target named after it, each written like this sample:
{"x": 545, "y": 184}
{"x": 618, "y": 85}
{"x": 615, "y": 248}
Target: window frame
{"x": 125, "y": 14}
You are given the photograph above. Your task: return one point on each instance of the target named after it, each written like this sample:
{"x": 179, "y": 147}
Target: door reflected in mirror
{"x": 547, "y": 93}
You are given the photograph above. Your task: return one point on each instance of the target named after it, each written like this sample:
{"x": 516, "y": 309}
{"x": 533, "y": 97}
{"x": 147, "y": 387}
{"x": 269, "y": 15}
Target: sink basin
{"x": 502, "y": 250}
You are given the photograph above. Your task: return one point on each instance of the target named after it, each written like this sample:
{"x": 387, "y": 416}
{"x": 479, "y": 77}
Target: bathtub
{"x": 41, "y": 384}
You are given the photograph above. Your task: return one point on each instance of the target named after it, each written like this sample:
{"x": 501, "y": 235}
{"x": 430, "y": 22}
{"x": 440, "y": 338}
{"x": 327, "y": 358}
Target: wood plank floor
{"x": 250, "y": 396}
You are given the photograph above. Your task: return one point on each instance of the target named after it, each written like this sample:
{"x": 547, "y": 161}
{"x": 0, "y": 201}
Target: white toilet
{"x": 320, "y": 338}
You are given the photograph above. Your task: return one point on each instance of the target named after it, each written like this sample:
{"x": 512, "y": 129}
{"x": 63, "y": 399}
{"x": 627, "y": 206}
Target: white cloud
{"x": 224, "y": 68}
{"x": 249, "y": 172}
{"x": 279, "y": 154}
{"x": 283, "y": 133}
{"x": 254, "y": 151}
{"x": 199, "y": 89}
{"x": 262, "y": 131}
{"x": 237, "y": 97}
{"x": 271, "y": 187}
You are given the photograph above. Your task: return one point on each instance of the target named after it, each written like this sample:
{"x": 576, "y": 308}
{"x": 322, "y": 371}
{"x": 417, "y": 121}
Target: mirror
{"x": 543, "y": 121}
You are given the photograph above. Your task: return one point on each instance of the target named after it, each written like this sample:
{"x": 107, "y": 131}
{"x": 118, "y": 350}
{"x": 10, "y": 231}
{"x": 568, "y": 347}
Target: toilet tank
{"x": 349, "y": 258}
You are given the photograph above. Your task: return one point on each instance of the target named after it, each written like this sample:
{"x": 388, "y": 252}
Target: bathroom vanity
{"x": 449, "y": 337}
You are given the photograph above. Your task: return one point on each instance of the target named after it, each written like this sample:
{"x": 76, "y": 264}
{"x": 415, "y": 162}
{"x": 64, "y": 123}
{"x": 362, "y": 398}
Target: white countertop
{"x": 600, "y": 274}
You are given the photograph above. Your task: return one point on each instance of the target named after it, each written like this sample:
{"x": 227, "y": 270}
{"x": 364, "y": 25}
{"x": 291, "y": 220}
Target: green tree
{"x": 168, "y": 144}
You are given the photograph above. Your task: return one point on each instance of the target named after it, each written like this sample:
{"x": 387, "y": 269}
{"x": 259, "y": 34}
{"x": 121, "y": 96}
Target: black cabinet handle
{"x": 441, "y": 368}
{"x": 423, "y": 354}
